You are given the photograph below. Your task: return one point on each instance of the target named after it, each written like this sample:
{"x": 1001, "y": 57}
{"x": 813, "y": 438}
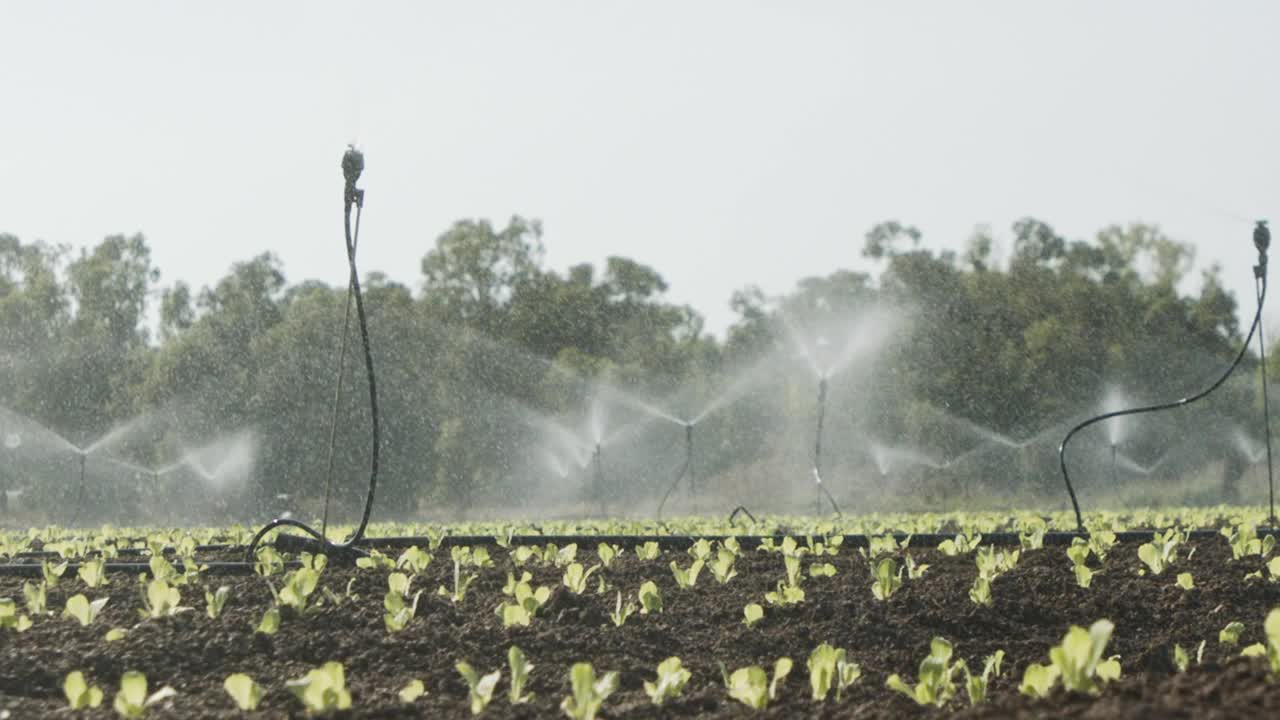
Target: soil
{"x": 1035, "y": 603}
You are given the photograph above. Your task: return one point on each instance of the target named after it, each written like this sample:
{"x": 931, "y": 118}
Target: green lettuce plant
{"x": 575, "y": 577}
{"x": 80, "y": 609}
{"x": 323, "y": 689}
{"x": 80, "y": 694}
{"x": 751, "y": 685}
{"x": 159, "y": 599}
{"x": 829, "y": 667}
{"x": 244, "y": 692}
{"x": 520, "y": 668}
{"x": 621, "y": 612}
{"x": 215, "y": 601}
{"x": 935, "y": 680}
{"x": 412, "y": 690}
{"x": 752, "y": 613}
{"x": 9, "y": 617}
{"x": 93, "y": 572}
{"x": 672, "y": 677}
{"x": 589, "y": 693}
{"x": 886, "y": 578}
{"x": 976, "y": 684}
{"x": 479, "y": 689}
{"x": 722, "y": 566}
{"x": 686, "y": 578}
{"x": 650, "y": 598}
{"x": 132, "y": 700}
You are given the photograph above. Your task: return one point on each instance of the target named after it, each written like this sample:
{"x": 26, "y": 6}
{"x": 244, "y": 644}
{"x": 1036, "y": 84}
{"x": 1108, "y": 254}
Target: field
{"x": 346, "y": 614}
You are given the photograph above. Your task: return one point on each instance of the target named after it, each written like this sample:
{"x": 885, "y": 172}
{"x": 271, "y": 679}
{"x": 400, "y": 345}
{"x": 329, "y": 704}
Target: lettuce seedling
{"x": 1161, "y": 552}
{"x": 415, "y": 560}
{"x": 9, "y": 617}
{"x": 1185, "y": 581}
{"x": 1038, "y": 680}
{"x": 753, "y": 614}
{"x": 1182, "y": 659}
{"x": 81, "y": 610}
{"x": 526, "y": 603}
{"x": 479, "y": 689}
{"x": 722, "y": 566}
{"x": 159, "y": 599}
{"x": 822, "y": 570}
{"x": 672, "y": 678}
{"x": 829, "y": 667}
{"x": 80, "y": 694}
{"x": 37, "y": 597}
{"x": 976, "y": 685}
{"x": 1101, "y": 542}
{"x": 886, "y": 579}
{"x": 994, "y": 563}
{"x": 622, "y": 612}
{"x": 589, "y": 693}
{"x": 1079, "y": 658}
{"x": 786, "y": 594}
{"x": 132, "y": 700}
{"x": 297, "y": 587}
{"x": 1230, "y": 635}
{"x": 961, "y": 545}
{"x": 243, "y": 691}
{"x": 935, "y": 679}
{"x": 751, "y": 685}
{"x": 1032, "y": 535}
{"x": 412, "y": 690}
{"x": 980, "y": 593}
{"x": 399, "y": 611}
{"x": 914, "y": 571}
{"x": 648, "y": 551}
{"x": 460, "y": 582}
{"x": 269, "y": 623}
{"x": 650, "y": 598}
{"x": 607, "y": 553}
{"x": 375, "y": 560}
{"x": 215, "y": 601}
{"x": 93, "y": 572}
{"x": 575, "y": 577}
{"x": 52, "y": 573}
{"x": 323, "y": 689}
{"x": 686, "y": 578}
{"x": 520, "y": 667}
{"x": 700, "y": 550}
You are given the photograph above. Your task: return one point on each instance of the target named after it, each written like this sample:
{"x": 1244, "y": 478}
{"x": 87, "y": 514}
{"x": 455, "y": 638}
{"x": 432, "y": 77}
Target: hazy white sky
{"x": 723, "y": 142}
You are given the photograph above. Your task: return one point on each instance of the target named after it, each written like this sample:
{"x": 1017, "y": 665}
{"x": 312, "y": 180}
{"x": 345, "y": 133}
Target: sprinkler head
{"x": 1262, "y": 237}
{"x": 352, "y": 165}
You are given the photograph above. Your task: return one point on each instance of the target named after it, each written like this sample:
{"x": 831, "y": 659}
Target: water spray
{"x": 597, "y": 464}
{"x": 84, "y": 457}
{"x": 817, "y": 448}
{"x": 352, "y": 197}
{"x": 1261, "y": 241}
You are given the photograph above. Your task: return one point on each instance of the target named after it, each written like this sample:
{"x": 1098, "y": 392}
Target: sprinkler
{"x": 75, "y": 518}
{"x": 686, "y": 469}
{"x": 598, "y": 478}
{"x": 1261, "y": 241}
{"x": 352, "y": 197}
{"x": 817, "y": 449}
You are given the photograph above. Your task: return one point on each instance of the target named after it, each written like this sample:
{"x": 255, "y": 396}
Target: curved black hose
{"x": 1260, "y": 273}
{"x": 684, "y": 468}
{"x": 352, "y": 197}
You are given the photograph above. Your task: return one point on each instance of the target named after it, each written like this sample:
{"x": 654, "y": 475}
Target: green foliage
{"x": 159, "y": 599}
{"x": 752, "y": 613}
{"x": 269, "y": 623}
{"x": 829, "y": 667}
{"x": 322, "y": 690}
{"x": 215, "y": 601}
{"x": 1185, "y": 581}
{"x": 93, "y": 572}
{"x": 751, "y": 685}
{"x": 479, "y": 689}
{"x": 80, "y": 609}
{"x": 575, "y": 577}
{"x": 886, "y": 578}
{"x": 520, "y": 667}
{"x": 243, "y": 691}
{"x": 980, "y": 593}
{"x": 1077, "y": 662}
{"x": 935, "y": 683}
{"x": 589, "y": 693}
{"x": 412, "y": 690}
{"x": 36, "y": 595}
{"x": 961, "y": 545}
{"x": 132, "y": 700}
{"x": 607, "y": 554}
{"x": 686, "y": 577}
{"x": 1161, "y": 552}
{"x": 621, "y": 612}
{"x": 722, "y": 566}
{"x": 648, "y": 551}
{"x": 1230, "y": 635}
{"x": 9, "y": 617}
{"x": 80, "y": 694}
{"x": 672, "y": 677}
{"x": 650, "y": 598}
{"x": 976, "y": 685}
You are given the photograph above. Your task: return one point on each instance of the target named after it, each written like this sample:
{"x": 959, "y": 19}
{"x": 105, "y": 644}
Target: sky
{"x": 723, "y": 142}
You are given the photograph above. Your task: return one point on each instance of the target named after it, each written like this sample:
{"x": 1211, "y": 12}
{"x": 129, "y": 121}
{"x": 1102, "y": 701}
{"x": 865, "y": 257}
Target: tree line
{"x": 501, "y": 377}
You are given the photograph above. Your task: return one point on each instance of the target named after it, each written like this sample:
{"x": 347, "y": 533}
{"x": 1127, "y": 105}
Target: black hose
{"x": 352, "y": 165}
{"x": 684, "y": 468}
{"x": 1260, "y": 273}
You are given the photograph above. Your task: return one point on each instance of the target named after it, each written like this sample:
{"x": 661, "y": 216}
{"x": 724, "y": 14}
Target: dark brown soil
{"x": 1035, "y": 603}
